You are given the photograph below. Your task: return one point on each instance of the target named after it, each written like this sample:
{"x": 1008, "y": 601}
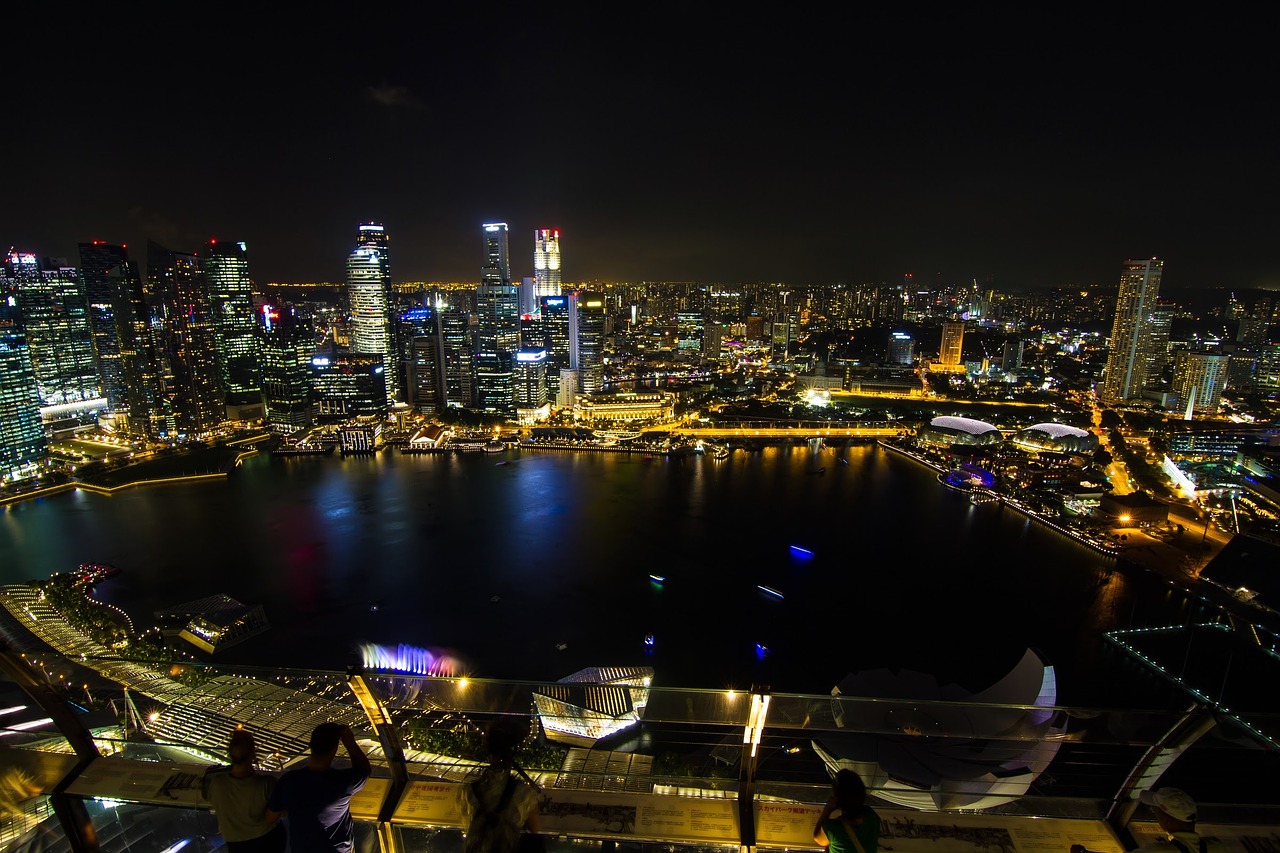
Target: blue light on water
{"x": 802, "y": 553}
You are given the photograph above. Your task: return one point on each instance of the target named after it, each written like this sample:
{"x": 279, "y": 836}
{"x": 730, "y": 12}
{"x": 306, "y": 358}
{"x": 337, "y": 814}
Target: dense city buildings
{"x": 587, "y": 321}
{"x": 147, "y": 409}
{"x": 348, "y": 385}
{"x": 546, "y": 264}
{"x": 1132, "y": 348}
{"x": 420, "y": 366}
{"x": 1199, "y": 379}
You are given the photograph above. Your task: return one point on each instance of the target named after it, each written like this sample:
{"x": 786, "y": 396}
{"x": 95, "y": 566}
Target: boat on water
{"x": 797, "y": 551}
{"x": 768, "y": 590}
{"x": 91, "y": 573}
{"x": 299, "y": 449}
{"x": 494, "y": 446}
{"x": 658, "y": 578}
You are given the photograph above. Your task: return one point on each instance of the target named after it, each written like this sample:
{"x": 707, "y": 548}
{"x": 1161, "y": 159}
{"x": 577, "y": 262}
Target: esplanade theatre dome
{"x": 1059, "y": 438}
{"x": 950, "y": 429}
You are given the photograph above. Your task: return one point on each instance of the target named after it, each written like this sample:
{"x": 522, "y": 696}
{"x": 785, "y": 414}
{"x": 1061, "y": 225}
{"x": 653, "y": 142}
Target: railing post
{"x": 1195, "y": 723}
{"x": 72, "y": 816}
{"x": 751, "y": 734}
{"x": 392, "y": 749}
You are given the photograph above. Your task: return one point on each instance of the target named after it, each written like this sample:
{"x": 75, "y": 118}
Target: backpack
{"x": 492, "y": 831}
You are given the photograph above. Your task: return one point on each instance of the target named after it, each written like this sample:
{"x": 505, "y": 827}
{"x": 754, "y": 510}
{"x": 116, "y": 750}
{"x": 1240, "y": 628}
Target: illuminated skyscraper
{"x": 288, "y": 344}
{"x": 1198, "y": 380}
{"x": 456, "y": 353}
{"x": 348, "y": 385}
{"x": 235, "y": 329}
{"x": 949, "y": 352}
{"x": 97, "y": 259}
{"x": 141, "y": 363}
{"x": 546, "y": 263}
{"x": 22, "y": 443}
{"x": 553, "y": 324}
{"x": 369, "y": 292}
{"x": 494, "y": 389}
{"x": 586, "y": 339}
{"x": 497, "y": 299}
{"x": 531, "y": 385}
{"x": 419, "y": 362}
{"x": 55, "y": 317}
{"x": 179, "y": 286}
{"x": 901, "y": 348}
{"x": 1130, "y": 354}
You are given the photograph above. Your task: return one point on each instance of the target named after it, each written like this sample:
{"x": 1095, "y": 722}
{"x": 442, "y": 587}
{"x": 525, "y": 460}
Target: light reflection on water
{"x": 905, "y": 573}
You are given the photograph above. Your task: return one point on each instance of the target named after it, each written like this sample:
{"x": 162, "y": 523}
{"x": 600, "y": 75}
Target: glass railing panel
{"x": 125, "y": 827}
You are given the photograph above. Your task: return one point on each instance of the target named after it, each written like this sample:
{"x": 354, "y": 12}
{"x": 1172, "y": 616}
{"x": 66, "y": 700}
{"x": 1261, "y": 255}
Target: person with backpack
{"x": 499, "y": 810}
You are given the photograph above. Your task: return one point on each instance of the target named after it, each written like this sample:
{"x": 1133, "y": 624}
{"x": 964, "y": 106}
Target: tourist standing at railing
{"x": 847, "y": 824}
{"x": 499, "y": 811}
{"x": 1175, "y": 811}
{"x": 239, "y": 796}
{"x": 315, "y": 797}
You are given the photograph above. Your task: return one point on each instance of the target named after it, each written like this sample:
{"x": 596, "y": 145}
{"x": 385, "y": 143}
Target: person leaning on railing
{"x": 1175, "y": 811}
{"x": 857, "y": 828}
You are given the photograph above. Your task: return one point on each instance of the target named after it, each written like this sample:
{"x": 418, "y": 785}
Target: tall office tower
{"x": 181, "y": 291}
{"x": 369, "y": 293}
{"x": 1266, "y": 376}
{"x": 530, "y": 380}
{"x": 1130, "y": 354}
{"x": 497, "y": 300}
{"x": 689, "y": 330}
{"x": 494, "y": 386}
{"x": 419, "y": 362}
{"x": 97, "y": 259}
{"x": 780, "y": 337}
{"x": 889, "y": 304}
{"x": 902, "y": 348}
{"x": 586, "y": 339}
{"x": 235, "y": 329}
{"x": 456, "y": 353}
{"x": 546, "y": 263}
{"x": 1198, "y": 380}
{"x": 288, "y": 344}
{"x": 22, "y": 443}
{"x": 147, "y": 400}
{"x": 554, "y": 325}
{"x": 55, "y": 317}
{"x": 952, "y": 345}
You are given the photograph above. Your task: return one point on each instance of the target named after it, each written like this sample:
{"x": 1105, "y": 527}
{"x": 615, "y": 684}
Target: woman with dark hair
{"x": 847, "y": 824}
{"x": 239, "y": 795}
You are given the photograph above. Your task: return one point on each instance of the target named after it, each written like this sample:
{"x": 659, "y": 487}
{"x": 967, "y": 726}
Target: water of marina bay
{"x": 904, "y": 573}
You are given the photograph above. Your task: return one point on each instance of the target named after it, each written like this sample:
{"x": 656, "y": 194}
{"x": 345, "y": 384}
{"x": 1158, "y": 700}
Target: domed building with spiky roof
{"x": 948, "y": 430}
{"x": 1056, "y": 438}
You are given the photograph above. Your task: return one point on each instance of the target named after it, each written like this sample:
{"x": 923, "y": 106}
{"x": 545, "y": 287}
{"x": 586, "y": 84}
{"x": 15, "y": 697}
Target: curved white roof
{"x": 1059, "y": 430}
{"x": 968, "y": 425}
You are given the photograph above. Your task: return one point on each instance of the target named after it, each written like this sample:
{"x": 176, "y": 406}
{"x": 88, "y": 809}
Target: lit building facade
{"x": 147, "y": 402}
{"x": 546, "y": 263}
{"x": 587, "y": 317}
{"x": 1130, "y": 354}
{"x": 1198, "y": 380}
{"x": 494, "y": 386}
{"x": 22, "y": 442}
{"x": 626, "y": 406}
{"x": 949, "y": 352}
{"x": 189, "y": 345}
{"x": 553, "y": 323}
{"x": 97, "y": 259}
{"x": 902, "y": 348}
{"x": 235, "y": 328}
{"x": 530, "y": 382}
{"x": 456, "y": 354}
{"x": 348, "y": 385}
{"x": 497, "y": 299}
{"x": 55, "y": 317}
{"x": 420, "y": 363}
{"x": 369, "y": 295}
{"x": 288, "y": 344}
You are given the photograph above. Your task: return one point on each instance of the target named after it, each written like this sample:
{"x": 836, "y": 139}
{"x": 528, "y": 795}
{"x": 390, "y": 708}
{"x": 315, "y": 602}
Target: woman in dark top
{"x": 847, "y": 824}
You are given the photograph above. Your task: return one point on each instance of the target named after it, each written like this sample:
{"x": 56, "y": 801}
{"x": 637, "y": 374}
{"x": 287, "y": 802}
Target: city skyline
{"x": 684, "y": 145}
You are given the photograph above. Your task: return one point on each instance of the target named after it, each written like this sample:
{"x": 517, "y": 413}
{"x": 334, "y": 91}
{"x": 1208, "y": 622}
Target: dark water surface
{"x": 906, "y": 574}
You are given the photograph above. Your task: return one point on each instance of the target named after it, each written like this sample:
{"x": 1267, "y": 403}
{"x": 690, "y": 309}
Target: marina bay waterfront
{"x": 553, "y": 562}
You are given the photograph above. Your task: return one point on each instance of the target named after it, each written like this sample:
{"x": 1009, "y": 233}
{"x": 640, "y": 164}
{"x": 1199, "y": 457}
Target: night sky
{"x": 1025, "y": 147}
